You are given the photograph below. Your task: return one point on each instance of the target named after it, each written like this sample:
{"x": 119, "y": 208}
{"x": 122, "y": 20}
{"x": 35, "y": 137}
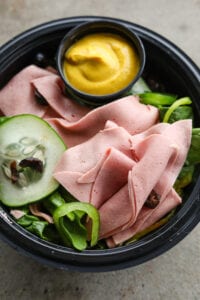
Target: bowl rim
{"x": 131, "y": 255}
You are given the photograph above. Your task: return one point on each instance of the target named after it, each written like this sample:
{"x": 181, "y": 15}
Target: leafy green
{"x": 66, "y": 195}
{"x": 184, "y": 179}
{"x": 174, "y": 106}
{"x": 194, "y": 151}
{"x": 39, "y": 227}
{"x": 193, "y": 158}
{"x": 180, "y": 113}
{"x": 27, "y": 220}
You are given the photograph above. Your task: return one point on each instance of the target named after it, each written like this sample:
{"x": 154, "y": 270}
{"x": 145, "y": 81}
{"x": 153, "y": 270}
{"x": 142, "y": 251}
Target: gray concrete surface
{"x": 175, "y": 274}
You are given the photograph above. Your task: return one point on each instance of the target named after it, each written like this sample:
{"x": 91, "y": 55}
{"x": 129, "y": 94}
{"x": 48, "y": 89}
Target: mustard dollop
{"x": 101, "y": 63}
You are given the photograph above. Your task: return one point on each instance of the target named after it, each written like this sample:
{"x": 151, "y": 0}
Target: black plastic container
{"x": 98, "y": 27}
{"x": 175, "y": 73}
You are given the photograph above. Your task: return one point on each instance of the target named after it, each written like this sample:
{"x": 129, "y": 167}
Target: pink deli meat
{"x": 18, "y": 96}
{"x": 146, "y": 218}
{"x": 118, "y": 153}
{"x": 180, "y": 134}
{"x": 127, "y": 112}
{"x": 105, "y": 153}
{"x": 74, "y": 122}
{"x": 153, "y": 163}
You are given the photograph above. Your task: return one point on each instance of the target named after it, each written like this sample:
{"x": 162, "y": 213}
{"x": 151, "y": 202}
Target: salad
{"x": 72, "y": 175}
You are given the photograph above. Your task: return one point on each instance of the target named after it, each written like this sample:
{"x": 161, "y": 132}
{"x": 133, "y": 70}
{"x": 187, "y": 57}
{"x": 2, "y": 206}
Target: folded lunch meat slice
{"x": 18, "y": 95}
{"x": 142, "y": 179}
{"x": 111, "y": 177}
{"x": 127, "y": 112}
{"x": 51, "y": 88}
{"x": 117, "y": 175}
{"x": 180, "y": 135}
{"x": 146, "y": 218}
{"x": 41, "y": 92}
{"x": 84, "y": 170}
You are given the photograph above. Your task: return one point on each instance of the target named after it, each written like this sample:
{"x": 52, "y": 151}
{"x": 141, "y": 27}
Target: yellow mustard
{"x": 101, "y": 63}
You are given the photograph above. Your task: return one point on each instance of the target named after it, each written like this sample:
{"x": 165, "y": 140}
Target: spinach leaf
{"x": 184, "y": 178}
{"x": 27, "y": 220}
{"x": 41, "y": 228}
{"x": 180, "y": 113}
{"x": 174, "y": 106}
{"x": 194, "y": 151}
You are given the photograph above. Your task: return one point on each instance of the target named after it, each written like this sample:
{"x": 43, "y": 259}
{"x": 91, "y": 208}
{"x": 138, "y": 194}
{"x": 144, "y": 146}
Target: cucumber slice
{"x": 29, "y": 150}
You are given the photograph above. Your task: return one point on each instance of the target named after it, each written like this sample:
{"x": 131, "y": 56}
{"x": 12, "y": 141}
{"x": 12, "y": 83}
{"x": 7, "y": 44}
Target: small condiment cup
{"x": 99, "y": 27}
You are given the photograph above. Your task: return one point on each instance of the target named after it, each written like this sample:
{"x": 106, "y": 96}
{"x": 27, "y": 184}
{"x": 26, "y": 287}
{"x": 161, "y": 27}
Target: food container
{"x": 108, "y": 27}
{"x": 165, "y": 64}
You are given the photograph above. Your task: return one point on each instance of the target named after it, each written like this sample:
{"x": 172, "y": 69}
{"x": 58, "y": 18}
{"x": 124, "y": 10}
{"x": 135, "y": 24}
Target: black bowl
{"x": 175, "y": 73}
{"x": 84, "y": 29}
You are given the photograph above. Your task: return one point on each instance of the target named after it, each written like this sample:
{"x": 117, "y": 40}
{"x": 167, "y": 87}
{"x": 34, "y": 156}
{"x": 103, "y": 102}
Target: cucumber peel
{"x": 30, "y": 149}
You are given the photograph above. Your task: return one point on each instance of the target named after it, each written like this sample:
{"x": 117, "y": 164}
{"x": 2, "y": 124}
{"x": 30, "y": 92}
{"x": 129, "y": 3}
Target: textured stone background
{"x": 175, "y": 274}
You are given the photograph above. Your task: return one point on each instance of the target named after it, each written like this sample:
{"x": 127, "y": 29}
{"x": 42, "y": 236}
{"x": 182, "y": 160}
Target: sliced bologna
{"x": 117, "y": 153}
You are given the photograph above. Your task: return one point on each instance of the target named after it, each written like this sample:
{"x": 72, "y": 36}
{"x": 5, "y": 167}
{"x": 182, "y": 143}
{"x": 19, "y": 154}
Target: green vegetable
{"x": 184, "y": 178}
{"x": 157, "y": 99}
{"x": 151, "y": 228}
{"x": 30, "y": 149}
{"x": 66, "y": 195}
{"x": 180, "y": 113}
{"x": 194, "y": 151}
{"x": 174, "y": 106}
{"x": 39, "y": 227}
{"x": 3, "y": 119}
{"x": 52, "y": 202}
{"x": 73, "y": 232}
{"x": 193, "y": 158}
{"x": 68, "y": 223}
{"x": 55, "y": 200}
{"x": 27, "y": 220}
